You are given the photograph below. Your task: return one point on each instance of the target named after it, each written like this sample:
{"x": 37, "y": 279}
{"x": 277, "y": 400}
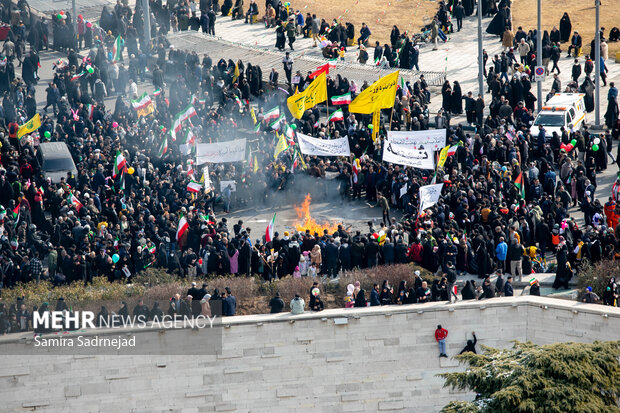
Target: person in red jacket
{"x": 440, "y": 336}
{"x": 415, "y": 252}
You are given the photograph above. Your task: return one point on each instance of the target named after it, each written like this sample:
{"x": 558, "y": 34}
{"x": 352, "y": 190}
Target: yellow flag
{"x": 443, "y": 155}
{"x": 236, "y": 73}
{"x": 313, "y": 95}
{"x": 281, "y": 146}
{"x": 253, "y": 115}
{"x": 379, "y": 95}
{"x": 255, "y": 169}
{"x": 32, "y": 125}
{"x": 376, "y": 120}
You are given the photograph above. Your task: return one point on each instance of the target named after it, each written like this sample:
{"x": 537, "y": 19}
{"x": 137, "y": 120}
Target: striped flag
{"x": 90, "y": 109}
{"x": 119, "y": 164}
{"x": 275, "y": 125}
{"x": 452, "y": 150}
{"x": 74, "y": 202}
{"x": 336, "y": 116}
{"x": 272, "y": 114}
{"x": 404, "y": 87}
{"x": 157, "y": 92}
{"x": 117, "y": 49}
{"x": 143, "y": 105}
{"x": 342, "y": 99}
{"x": 182, "y": 228}
{"x": 15, "y": 213}
{"x": 270, "y": 229}
{"x": 357, "y": 168}
{"x": 163, "y": 147}
{"x": 77, "y": 75}
{"x": 194, "y": 186}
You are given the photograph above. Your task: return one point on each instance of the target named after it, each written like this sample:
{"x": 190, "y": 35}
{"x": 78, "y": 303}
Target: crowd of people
{"x": 120, "y": 213}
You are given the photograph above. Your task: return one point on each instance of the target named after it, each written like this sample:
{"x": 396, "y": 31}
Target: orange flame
{"x": 306, "y": 222}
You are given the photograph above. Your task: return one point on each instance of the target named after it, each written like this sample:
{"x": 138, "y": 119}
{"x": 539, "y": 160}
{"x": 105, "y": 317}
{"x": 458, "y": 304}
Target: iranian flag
{"x": 157, "y": 92}
{"x": 404, "y": 87}
{"x": 164, "y": 147}
{"x": 74, "y": 202}
{"x": 272, "y": 114}
{"x": 187, "y": 113}
{"x": 357, "y": 168}
{"x": 194, "y": 186}
{"x": 270, "y": 229}
{"x": 189, "y": 138}
{"x": 119, "y": 164}
{"x": 275, "y": 125}
{"x": 183, "y": 227}
{"x": 520, "y": 186}
{"x": 452, "y": 150}
{"x": 336, "y": 116}
{"x": 77, "y": 76}
{"x": 117, "y": 49}
{"x": 342, "y": 99}
{"x": 142, "y": 102}
{"x": 152, "y": 249}
{"x": 90, "y": 109}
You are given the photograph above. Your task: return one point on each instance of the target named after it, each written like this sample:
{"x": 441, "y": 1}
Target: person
{"x": 589, "y": 296}
{"x": 434, "y": 33}
{"x": 374, "y": 296}
{"x": 291, "y": 31}
{"x": 459, "y": 13}
{"x": 515, "y": 252}
{"x": 364, "y": 35}
{"x": 535, "y": 288}
{"x": 276, "y": 304}
{"x": 469, "y": 290}
{"x": 230, "y": 303}
{"x": 451, "y": 281}
{"x": 297, "y": 305}
{"x": 360, "y": 299}
{"x": 287, "y": 62}
{"x": 252, "y": 11}
{"x": 385, "y": 208}
{"x": 575, "y": 44}
{"x": 501, "y": 251}
{"x": 471, "y": 345}
{"x": 565, "y": 28}
{"x": 317, "y": 305}
{"x": 440, "y": 335}
{"x": 508, "y": 290}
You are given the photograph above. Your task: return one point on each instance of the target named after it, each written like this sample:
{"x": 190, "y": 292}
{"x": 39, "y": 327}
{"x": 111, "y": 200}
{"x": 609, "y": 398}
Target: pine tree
{"x": 562, "y": 378}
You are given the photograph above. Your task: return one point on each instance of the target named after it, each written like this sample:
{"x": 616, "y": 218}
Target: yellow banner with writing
{"x": 32, "y": 125}
{"x": 379, "y": 95}
{"x": 443, "y": 155}
{"x": 314, "y": 94}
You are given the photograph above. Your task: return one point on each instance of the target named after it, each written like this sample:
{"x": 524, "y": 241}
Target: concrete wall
{"x": 383, "y": 359}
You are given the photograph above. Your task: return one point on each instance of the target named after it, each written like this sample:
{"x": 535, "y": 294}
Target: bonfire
{"x": 306, "y": 222}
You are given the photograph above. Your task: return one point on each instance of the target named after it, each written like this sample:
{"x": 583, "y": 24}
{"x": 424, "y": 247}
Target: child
{"x": 312, "y": 271}
{"x": 349, "y": 302}
{"x": 303, "y": 264}
{"x": 341, "y": 53}
{"x": 296, "y": 273}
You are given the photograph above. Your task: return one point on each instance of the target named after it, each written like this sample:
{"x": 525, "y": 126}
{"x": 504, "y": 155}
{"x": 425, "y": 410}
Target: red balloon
{"x": 61, "y": 12}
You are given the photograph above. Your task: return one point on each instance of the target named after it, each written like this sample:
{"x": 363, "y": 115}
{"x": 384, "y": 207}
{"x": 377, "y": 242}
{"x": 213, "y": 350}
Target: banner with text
{"x": 408, "y": 156}
{"x": 429, "y": 195}
{"x": 231, "y": 151}
{"x": 434, "y": 139}
{"x": 323, "y": 147}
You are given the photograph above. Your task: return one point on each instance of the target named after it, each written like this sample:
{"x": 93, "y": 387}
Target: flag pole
{"x": 327, "y": 103}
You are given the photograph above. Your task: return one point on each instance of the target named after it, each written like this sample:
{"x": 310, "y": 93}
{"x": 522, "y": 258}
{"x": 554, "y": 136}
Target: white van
{"x": 563, "y": 109}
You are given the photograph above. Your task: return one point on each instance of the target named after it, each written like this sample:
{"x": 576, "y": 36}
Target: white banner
{"x": 434, "y": 139}
{"x": 429, "y": 195}
{"x": 323, "y": 147}
{"x": 231, "y": 151}
{"x": 408, "y": 156}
